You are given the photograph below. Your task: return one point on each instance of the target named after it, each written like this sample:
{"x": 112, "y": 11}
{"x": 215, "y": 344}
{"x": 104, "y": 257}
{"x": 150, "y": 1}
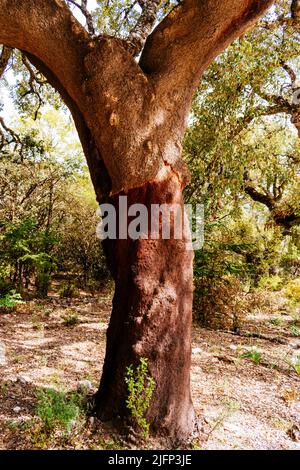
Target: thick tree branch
{"x": 98, "y": 171}
{"x": 57, "y": 45}
{"x": 286, "y": 218}
{"x": 257, "y": 196}
{"x": 106, "y": 89}
{"x": 295, "y": 11}
{"x": 47, "y": 29}
{"x": 193, "y": 34}
{"x": 281, "y": 214}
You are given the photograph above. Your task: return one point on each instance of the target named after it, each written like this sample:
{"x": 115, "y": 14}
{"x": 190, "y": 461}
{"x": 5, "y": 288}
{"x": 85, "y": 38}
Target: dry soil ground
{"x": 241, "y": 404}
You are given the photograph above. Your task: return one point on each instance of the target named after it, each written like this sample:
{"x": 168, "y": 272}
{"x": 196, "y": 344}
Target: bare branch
{"x": 8, "y": 136}
{"x": 35, "y": 78}
{"x": 138, "y": 35}
{"x": 291, "y": 73}
{"x": 84, "y": 10}
{"x": 277, "y": 100}
{"x": 287, "y": 218}
{"x": 4, "y": 59}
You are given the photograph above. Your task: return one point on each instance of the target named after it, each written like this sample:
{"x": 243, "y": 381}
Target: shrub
{"x": 273, "y": 283}
{"x": 295, "y": 330}
{"x": 259, "y": 300}
{"x": 277, "y": 321}
{"x": 68, "y": 289}
{"x": 294, "y": 363}
{"x": 253, "y": 355}
{"x": 70, "y": 318}
{"x": 140, "y": 387}
{"x": 219, "y": 303}
{"x": 57, "y": 409}
{"x": 5, "y": 284}
{"x": 10, "y": 300}
{"x": 292, "y": 290}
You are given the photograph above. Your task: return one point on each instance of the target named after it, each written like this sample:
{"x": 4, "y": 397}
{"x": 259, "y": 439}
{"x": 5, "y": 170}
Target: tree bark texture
{"x": 151, "y": 318}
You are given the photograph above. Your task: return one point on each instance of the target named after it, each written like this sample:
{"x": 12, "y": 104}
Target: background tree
{"x": 47, "y": 209}
{"x": 244, "y": 132}
{"x": 243, "y": 150}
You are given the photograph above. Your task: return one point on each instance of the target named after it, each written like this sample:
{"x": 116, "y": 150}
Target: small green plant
{"x": 229, "y": 407}
{"x": 295, "y": 330}
{"x": 4, "y": 389}
{"x": 272, "y": 283}
{"x": 37, "y": 325}
{"x": 70, "y": 318}
{"x": 276, "y": 321}
{"x": 92, "y": 286}
{"x": 57, "y": 409}
{"x": 195, "y": 445}
{"x": 17, "y": 358}
{"x": 253, "y": 355}
{"x": 69, "y": 290}
{"x": 45, "y": 311}
{"x": 13, "y": 425}
{"x": 140, "y": 387}
{"x": 292, "y": 291}
{"x": 11, "y": 299}
{"x": 294, "y": 364}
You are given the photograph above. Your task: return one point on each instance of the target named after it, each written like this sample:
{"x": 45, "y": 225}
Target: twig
{"x": 89, "y": 19}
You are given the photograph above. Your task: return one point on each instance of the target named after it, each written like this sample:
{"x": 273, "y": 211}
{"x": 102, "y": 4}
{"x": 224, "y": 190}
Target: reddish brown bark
{"x": 151, "y": 317}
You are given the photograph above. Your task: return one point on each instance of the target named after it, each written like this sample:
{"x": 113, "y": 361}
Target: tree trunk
{"x": 151, "y": 318}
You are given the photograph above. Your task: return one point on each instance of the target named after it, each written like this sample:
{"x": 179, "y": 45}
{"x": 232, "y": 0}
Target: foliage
{"x": 273, "y": 283}
{"x": 294, "y": 363}
{"x": 57, "y": 409}
{"x": 238, "y": 131}
{"x": 241, "y": 134}
{"x": 219, "y": 303}
{"x": 47, "y": 210}
{"x": 67, "y": 289}
{"x": 140, "y": 387}
{"x": 292, "y": 290}
{"x": 70, "y": 318}
{"x": 10, "y": 300}
{"x": 232, "y": 132}
{"x": 295, "y": 330}
{"x": 118, "y": 17}
{"x": 254, "y": 355}
{"x": 275, "y": 321}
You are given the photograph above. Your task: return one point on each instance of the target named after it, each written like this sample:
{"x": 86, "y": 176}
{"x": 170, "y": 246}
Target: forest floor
{"x": 243, "y": 402}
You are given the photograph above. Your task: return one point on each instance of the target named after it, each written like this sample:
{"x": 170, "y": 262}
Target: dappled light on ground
{"x": 244, "y": 400}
